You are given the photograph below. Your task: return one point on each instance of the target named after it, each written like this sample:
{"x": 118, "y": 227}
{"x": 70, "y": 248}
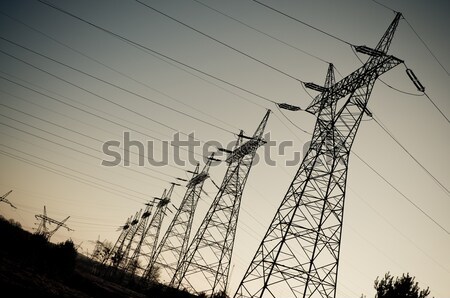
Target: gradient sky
{"x": 382, "y": 230}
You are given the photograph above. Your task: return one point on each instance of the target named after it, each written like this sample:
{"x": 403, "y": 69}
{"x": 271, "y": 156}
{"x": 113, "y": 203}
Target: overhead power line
{"x": 68, "y": 147}
{"x": 221, "y": 42}
{"x": 98, "y": 116}
{"x": 403, "y": 195}
{"x": 145, "y": 48}
{"x": 86, "y": 136}
{"x": 426, "y": 46}
{"x": 434, "y": 104}
{"x": 121, "y": 88}
{"x": 117, "y": 71}
{"x": 302, "y": 22}
{"x": 418, "y": 36}
{"x": 378, "y": 121}
{"x": 262, "y": 32}
{"x": 67, "y": 175}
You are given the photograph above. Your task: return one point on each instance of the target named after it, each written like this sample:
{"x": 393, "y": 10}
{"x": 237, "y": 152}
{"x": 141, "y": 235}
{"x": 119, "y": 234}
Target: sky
{"x": 56, "y": 116}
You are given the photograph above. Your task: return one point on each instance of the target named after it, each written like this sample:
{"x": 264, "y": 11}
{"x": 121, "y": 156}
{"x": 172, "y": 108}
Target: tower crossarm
{"x": 197, "y": 179}
{"x": 376, "y": 66}
{"x": 247, "y": 148}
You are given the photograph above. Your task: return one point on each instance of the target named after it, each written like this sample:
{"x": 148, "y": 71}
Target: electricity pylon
{"x": 43, "y": 228}
{"x": 175, "y": 241}
{"x": 106, "y": 260}
{"x": 5, "y": 200}
{"x": 151, "y": 236}
{"x": 115, "y": 256}
{"x": 206, "y": 265}
{"x": 124, "y": 252}
{"x": 299, "y": 254}
{"x": 138, "y": 239}
{"x": 99, "y": 250}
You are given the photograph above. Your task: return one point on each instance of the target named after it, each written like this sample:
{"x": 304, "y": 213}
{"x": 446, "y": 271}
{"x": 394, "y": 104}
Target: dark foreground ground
{"x": 32, "y": 267}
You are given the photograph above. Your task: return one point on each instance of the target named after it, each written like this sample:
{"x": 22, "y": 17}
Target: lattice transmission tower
{"x": 151, "y": 236}
{"x": 45, "y": 222}
{"x": 137, "y": 241}
{"x": 175, "y": 241}
{"x": 206, "y": 265}
{"x": 114, "y": 257}
{"x": 299, "y": 254}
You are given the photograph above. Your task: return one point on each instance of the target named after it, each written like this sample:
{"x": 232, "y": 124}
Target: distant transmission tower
{"x": 106, "y": 259}
{"x": 45, "y": 221}
{"x": 115, "y": 256}
{"x": 3, "y": 199}
{"x": 299, "y": 254}
{"x": 123, "y": 253}
{"x": 206, "y": 265}
{"x": 174, "y": 243}
{"x": 139, "y": 237}
{"x": 151, "y": 236}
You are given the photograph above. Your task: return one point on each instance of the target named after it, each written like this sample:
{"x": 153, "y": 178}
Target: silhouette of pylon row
{"x": 175, "y": 241}
{"x": 299, "y": 253}
{"x": 137, "y": 252}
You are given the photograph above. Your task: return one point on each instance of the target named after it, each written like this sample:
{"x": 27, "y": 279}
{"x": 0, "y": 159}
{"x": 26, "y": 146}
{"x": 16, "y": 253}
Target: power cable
{"x": 418, "y": 36}
{"x": 114, "y": 70}
{"x": 67, "y": 147}
{"x": 403, "y": 195}
{"x": 308, "y": 133}
{"x": 118, "y": 87}
{"x": 86, "y": 136}
{"x": 391, "y": 87}
{"x": 302, "y": 22}
{"x": 142, "y": 47}
{"x": 67, "y": 175}
{"x": 262, "y": 32}
{"x": 220, "y": 42}
{"x": 95, "y": 115}
{"x": 437, "y": 108}
{"x": 426, "y": 46}
{"x": 381, "y": 124}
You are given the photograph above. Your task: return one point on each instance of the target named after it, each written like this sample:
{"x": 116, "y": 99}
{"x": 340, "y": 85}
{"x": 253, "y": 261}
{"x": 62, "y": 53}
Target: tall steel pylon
{"x": 175, "y": 241}
{"x": 150, "y": 238}
{"x": 44, "y": 222}
{"x": 206, "y": 265}
{"x": 299, "y": 254}
{"x": 3, "y": 199}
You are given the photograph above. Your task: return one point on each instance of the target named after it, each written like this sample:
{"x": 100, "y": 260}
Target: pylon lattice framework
{"x": 299, "y": 254}
{"x": 151, "y": 236}
{"x": 174, "y": 243}
{"x": 206, "y": 265}
{"x": 136, "y": 242}
{"x": 45, "y": 221}
{"x": 115, "y": 258}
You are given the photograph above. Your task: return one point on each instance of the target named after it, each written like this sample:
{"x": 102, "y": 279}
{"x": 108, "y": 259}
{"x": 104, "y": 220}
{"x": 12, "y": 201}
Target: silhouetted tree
{"x": 403, "y": 287}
